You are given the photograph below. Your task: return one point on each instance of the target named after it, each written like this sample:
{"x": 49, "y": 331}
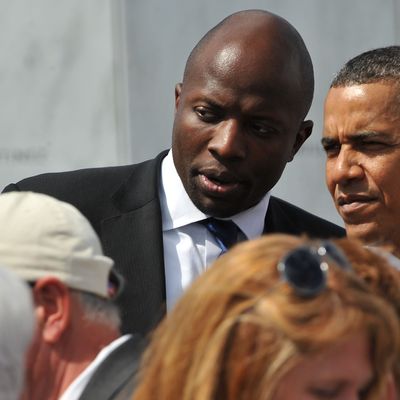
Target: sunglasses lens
{"x": 302, "y": 270}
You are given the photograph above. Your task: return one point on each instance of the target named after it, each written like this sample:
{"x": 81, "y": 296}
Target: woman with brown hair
{"x": 276, "y": 318}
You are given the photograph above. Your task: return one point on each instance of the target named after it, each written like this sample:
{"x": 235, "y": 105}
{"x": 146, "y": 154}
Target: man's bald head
{"x": 263, "y": 38}
{"x": 239, "y": 113}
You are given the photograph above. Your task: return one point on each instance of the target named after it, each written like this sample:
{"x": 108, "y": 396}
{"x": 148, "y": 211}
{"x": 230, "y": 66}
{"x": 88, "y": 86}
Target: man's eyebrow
{"x": 328, "y": 141}
{"x": 211, "y": 101}
{"x": 355, "y": 138}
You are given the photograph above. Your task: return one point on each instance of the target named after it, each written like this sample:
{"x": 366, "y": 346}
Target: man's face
{"x": 362, "y": 143}
{"x": 237, "y": 124}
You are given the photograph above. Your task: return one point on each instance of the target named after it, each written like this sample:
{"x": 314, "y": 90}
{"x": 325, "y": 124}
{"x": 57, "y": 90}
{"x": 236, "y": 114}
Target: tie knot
{"x": 225, "y": 232}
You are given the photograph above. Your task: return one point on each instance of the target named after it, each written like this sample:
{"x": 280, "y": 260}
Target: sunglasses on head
{"x": 305, "y": 268}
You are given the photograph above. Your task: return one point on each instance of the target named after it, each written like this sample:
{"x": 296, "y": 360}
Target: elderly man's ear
{"x": 52, "y": 306}
{"x": 303, "y": 133}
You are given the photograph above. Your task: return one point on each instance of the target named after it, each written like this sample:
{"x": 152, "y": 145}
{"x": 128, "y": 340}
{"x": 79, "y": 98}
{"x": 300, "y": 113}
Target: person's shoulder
{"x": 64, "y": 184}
{"x": 56, "y": 183}
{"x": 96, "y": 192}
{"x": 115, "y": 377}
{"x": 303, "y": 221}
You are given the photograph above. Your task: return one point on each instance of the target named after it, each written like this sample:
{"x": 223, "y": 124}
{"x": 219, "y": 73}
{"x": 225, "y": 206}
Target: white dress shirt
{"x": 75, "y": 389}
{"x": 188, "y": 246}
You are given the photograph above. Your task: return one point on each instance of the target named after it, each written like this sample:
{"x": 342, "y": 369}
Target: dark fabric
{"x": 123, "y": 206}
{"x": 225, "y": 232}
{"x": 115, "y": 377}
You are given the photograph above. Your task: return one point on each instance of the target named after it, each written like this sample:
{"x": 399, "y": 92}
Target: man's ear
{"x": 53, "y": 307}
{"x": 304, "y": 132}
{"x": 178, "y": 91}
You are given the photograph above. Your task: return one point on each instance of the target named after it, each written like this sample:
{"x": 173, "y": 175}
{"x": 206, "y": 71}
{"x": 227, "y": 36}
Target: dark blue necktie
{"x": 225, "y": 232}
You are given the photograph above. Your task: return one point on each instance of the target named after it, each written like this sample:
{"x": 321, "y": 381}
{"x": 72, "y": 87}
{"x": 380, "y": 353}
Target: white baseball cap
{"x": 41, "y": 237}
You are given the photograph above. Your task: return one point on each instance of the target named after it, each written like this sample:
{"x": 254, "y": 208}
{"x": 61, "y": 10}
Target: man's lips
{"x": 354, "y": 203}
{"x": 219, "y": 184}
{"x": 343, "y": 200}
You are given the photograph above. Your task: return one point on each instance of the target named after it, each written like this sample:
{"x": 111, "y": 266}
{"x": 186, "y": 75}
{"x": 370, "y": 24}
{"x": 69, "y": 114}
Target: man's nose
{"x": 228, "y": 140}
{"x": 346, "y": 167}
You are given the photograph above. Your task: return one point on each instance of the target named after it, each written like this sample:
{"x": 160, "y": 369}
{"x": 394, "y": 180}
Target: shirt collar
{"x": 76, "y": 388}
{"x": 177, "y": 209}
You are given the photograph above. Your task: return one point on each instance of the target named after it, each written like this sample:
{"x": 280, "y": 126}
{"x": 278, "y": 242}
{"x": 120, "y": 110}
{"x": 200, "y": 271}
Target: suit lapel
{"x": 283, "y": 217}
{"x": 134, "y": 240}
{"x": 275, "y": 219}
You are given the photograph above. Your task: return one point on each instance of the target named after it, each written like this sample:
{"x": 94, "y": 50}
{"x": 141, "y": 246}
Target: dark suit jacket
{"x": 114, "y": 379}
{"x": 123, "y": 206}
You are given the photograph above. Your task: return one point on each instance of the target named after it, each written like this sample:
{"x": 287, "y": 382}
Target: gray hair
{"x": 16, "y": 333}
{"x": 378, "y": 65}
{"x": 99, "y": 310}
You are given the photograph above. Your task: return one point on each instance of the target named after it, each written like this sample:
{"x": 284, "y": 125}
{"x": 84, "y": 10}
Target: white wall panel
{"x": 57, "y": 87}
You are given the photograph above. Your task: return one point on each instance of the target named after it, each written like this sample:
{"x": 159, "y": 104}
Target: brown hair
{"x": 373, "y": 266}
{"x": 239, "y": 329}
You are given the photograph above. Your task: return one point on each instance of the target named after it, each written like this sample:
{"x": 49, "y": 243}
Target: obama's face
{"x": 362, "y": 143}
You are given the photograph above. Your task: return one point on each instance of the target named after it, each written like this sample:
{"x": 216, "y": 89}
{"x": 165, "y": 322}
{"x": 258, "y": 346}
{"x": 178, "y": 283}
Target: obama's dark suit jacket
{"x": 123, "y": 206}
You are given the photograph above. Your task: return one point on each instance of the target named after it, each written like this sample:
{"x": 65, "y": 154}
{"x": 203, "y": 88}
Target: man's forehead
{"x": 228, "y": 57}
{"x": 341, "y": 100}
{"x": 368, "y": 106}
{"x": 365, "y": 94}
{"x": 254, "y": 67}
{"x": 266, "y": 36}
